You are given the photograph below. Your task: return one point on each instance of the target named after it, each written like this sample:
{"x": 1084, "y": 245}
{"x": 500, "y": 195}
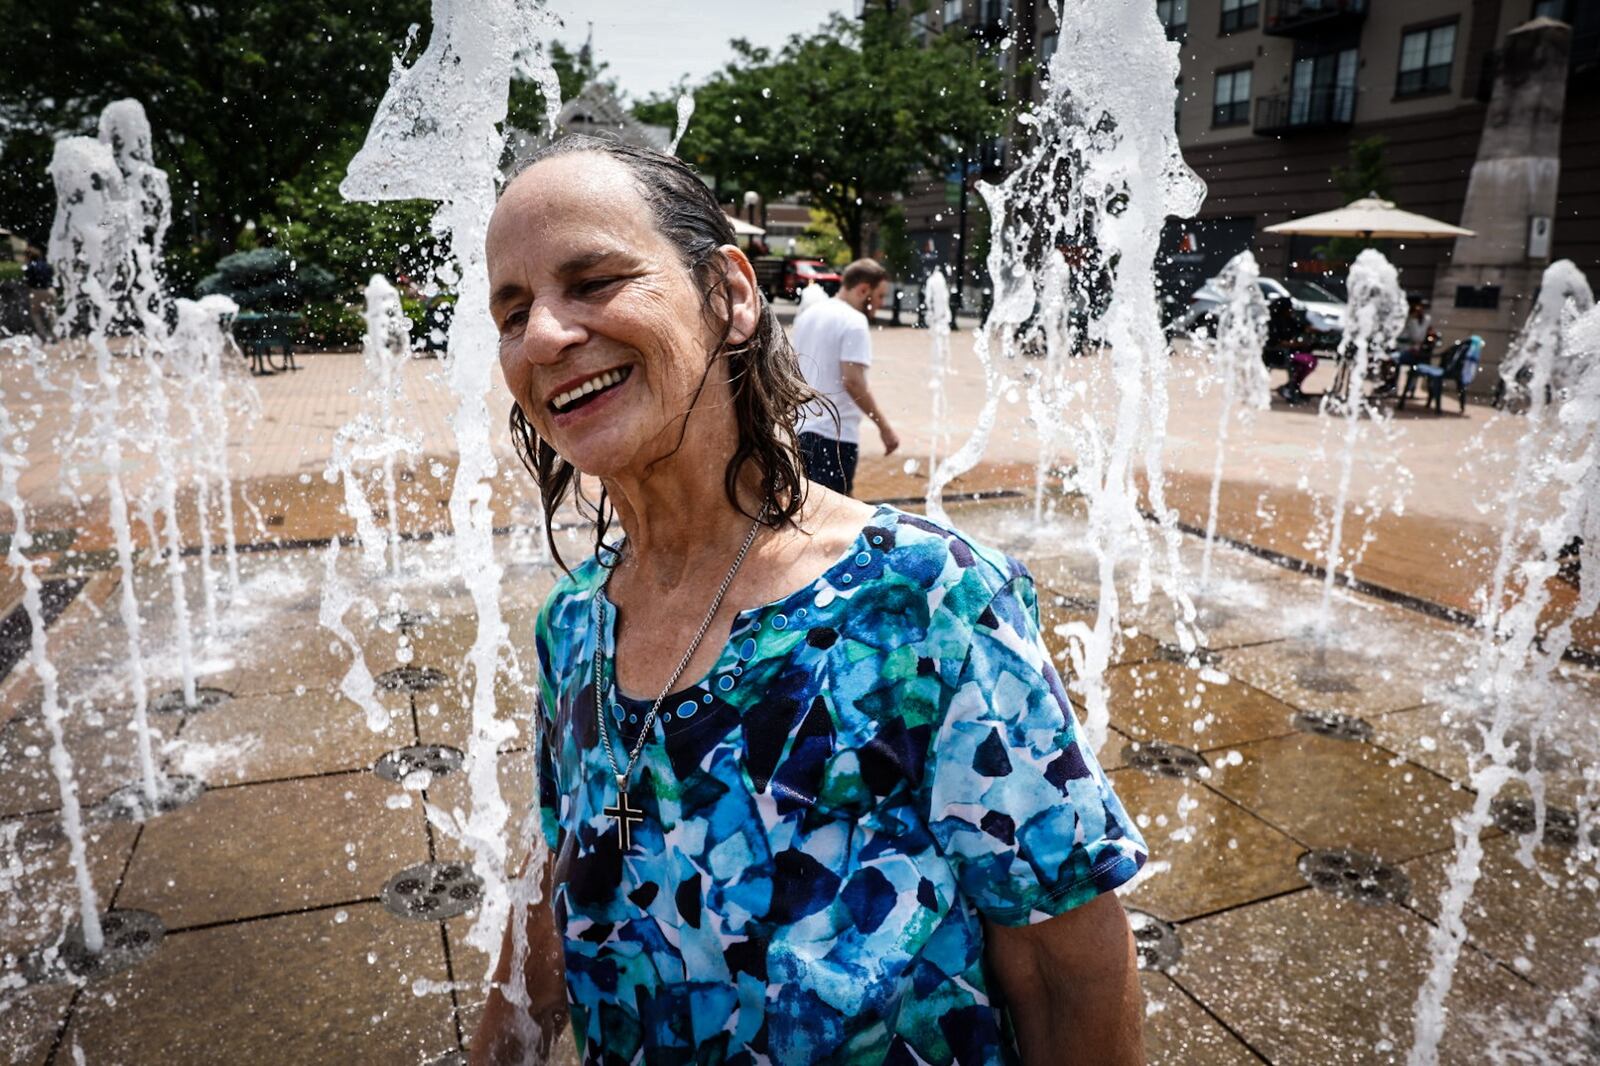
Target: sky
{"x": 650, "y": 44}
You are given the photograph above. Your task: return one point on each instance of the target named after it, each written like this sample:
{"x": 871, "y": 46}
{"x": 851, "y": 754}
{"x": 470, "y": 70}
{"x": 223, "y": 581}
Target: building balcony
{"x": 1294, "y": 112}
{"x": 1302, "y": 18}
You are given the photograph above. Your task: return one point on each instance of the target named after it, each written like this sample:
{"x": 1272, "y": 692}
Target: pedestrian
{"x": 810, "y": 783}
{"x": 1415, "y": 345}
{"x": 834, "y": 342}
{"x": 40, "y": 278}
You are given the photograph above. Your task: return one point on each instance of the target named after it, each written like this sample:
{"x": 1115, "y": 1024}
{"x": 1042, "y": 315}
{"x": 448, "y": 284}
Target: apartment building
{"x": 1271, "y": 97}
{"x": 1274, "y": 92}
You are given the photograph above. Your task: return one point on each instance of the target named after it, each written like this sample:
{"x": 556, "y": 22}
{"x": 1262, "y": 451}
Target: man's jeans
{"x": 829, "y": 462}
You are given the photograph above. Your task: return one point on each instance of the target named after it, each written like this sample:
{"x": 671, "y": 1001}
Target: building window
{"x": 1240, "y": 14}
{"x": 1425, "y": 60}
{"x": 1551, "y": 9}
{"x": 1174, "y": 15}
{"x": 952, "y": 11}
{"x": 1232, "y": 104}
{"x": 1047, "y": 52}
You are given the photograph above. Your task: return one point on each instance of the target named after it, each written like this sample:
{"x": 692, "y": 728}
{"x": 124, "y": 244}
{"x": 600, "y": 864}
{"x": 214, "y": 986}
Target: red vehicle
{"x": 798, "y": 273}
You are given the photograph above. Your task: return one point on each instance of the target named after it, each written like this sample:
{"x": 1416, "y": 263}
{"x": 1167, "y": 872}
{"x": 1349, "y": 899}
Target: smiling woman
{"x": 868, "y": 820}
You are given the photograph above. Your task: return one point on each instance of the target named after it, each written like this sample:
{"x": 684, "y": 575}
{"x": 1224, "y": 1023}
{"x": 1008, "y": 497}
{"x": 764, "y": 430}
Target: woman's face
{"x": 603, "y": 341}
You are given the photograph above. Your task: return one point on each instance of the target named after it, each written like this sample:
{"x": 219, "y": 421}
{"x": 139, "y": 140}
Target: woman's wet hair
{"x": 763, "y": 371}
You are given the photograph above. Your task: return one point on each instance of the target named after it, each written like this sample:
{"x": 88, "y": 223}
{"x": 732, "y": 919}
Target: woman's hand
{"x": 510, "y": 1034}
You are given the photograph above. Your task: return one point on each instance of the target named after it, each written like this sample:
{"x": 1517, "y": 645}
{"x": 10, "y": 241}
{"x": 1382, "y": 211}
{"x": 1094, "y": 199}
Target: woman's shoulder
{"x": 571, "y": 599}
{"x": 954, "y": 564}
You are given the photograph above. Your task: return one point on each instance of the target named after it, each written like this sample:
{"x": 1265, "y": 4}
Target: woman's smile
{"x": 574, "y": 401}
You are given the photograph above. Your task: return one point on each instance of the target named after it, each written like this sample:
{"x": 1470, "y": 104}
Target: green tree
{"x": 311, "y": 222}
{"x": 1366, "y": 173}
{"x": 848, "y": 115}
{"x": 240, "y": 97}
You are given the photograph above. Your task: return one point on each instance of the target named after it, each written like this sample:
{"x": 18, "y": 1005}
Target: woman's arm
{"x": 509, "y": 1034}
{"x": 1072, "y": 986}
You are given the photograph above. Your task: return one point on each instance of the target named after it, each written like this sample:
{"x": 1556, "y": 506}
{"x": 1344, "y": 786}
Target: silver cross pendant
{"x": 625, "y": 814}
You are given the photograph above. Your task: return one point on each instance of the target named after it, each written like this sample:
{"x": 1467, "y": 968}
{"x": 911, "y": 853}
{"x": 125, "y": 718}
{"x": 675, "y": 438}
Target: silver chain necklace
{"x": 622, "y": 811}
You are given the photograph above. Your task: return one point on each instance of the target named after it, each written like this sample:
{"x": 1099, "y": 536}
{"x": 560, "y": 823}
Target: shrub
{"x": 330, "y": 324}
{"x": 267, "y": 279}
{"x": 10, "y": 271}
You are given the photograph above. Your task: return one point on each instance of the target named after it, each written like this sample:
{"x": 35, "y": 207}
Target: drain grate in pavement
{"x": 131, "y": 936}
{"x": 129, "y": 804}
{"x": 433, "y": 891}
{"x": 1155, "y": 941}
{"x": 1517, "y": 816}
{"x": 1076, "y": 604}
{"x": 1174, "y": 653}
{"x": 436, "y": 759}
{"x": 1355, "y": 875}
{"x": 1332, "y": 724}
{"x": 205, "y": 698}
{"x": 412, "y": 679}
{"x": 1327, "y": 682}
{"x": 1167, "y": 760}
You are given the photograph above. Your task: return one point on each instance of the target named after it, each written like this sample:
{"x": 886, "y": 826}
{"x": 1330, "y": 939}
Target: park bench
{"x": 267, "y": 339}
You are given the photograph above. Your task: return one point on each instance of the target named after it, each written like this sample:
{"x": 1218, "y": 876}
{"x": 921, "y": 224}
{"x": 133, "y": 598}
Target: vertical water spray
{"x": 436, "y": 136}
{"x": 1237, "y": 369}
{"x": 1103, "y": 173}
{"x": 1558, "y": 453}
{"x": 13, "y": 460}
{"x": 1046, "y": 392}
{"x": 1377, "y": 313}
{"x": 385, "y": 349}
{"x": 936, "y": 298}
{"x": 89, "y": 240}
{"x": 685, "y": 113}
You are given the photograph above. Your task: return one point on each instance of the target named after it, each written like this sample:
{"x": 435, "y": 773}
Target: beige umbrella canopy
{"x": 1373, "y": 218}
{"x": 745, "y": 229}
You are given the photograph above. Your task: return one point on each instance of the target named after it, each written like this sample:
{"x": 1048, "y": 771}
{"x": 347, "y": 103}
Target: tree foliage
{"x": 849, "y": 115}
{"x": 241, "y": 97}
{"x": 1366, "y": 173}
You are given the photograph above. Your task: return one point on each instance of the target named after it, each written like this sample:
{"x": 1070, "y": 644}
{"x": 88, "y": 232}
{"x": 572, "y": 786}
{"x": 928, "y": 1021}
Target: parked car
{"x": 1324, "y": 312}
{"x": 798, "y": 273}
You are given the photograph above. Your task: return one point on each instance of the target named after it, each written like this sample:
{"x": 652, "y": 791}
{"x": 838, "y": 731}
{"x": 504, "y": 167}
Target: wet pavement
{"x": 1297, "y": 800}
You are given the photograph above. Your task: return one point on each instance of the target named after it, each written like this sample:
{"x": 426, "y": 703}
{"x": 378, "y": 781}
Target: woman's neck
{"x": 680, "y": 527}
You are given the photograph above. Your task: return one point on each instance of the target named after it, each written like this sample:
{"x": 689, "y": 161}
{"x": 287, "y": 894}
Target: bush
{"x": 330, "y": 324}
{"x": 10, "y": 271}
{"x": 266, "y": 279}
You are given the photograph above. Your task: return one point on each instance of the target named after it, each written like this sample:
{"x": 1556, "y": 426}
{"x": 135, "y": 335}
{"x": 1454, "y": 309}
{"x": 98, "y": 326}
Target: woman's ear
{"x": 743, "y": 294}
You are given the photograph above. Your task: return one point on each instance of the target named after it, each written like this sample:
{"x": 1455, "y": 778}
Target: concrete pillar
{"x": 1511, "y": 197}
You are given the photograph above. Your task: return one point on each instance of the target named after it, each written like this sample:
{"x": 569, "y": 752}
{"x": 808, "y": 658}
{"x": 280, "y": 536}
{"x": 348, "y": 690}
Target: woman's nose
{"x": 549, "y": 333}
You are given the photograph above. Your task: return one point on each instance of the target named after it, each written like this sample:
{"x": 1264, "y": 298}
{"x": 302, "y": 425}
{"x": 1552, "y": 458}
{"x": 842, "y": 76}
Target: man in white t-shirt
{"x": 834, "y": 343}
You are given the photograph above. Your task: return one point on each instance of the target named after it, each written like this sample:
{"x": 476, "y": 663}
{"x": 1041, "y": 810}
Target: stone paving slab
{"x": 240, "y": 994}
{"x": 1206, "y": 854}
{"x": 258, "y": 850}
{"x": 1332, "y": 793}
{"x": 1542, "y": 922}
{"x": 1312, "y": 978}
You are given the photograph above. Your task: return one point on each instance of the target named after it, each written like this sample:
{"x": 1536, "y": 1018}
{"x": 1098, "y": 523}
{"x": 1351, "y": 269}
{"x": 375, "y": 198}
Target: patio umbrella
{"x": 745, "y": 229}
{"x": 1372, "y": 218}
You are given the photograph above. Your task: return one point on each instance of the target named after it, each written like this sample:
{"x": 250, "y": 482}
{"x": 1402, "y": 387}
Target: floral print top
{"x": 873, "y": 764}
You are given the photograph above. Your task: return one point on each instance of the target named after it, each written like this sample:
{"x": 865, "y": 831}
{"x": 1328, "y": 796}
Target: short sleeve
{"x": 1015, "y": 799}
{"x": 856, "y": 344}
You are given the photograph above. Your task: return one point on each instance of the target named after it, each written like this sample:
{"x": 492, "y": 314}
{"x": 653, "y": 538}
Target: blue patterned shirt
{"x": 873, "y": 764}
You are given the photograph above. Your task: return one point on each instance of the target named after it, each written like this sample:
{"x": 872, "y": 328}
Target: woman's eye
{"x": 514, "y": 320}
{"x": 595, "y": 286}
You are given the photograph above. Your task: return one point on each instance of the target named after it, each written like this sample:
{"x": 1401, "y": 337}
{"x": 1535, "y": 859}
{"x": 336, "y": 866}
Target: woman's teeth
{"x": 594, "y": 384}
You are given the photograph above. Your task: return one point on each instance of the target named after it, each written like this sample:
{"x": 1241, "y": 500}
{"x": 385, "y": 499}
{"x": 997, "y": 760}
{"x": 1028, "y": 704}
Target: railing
{"x": 1306, "y": 110}
{"x": 1290, "y": 17}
